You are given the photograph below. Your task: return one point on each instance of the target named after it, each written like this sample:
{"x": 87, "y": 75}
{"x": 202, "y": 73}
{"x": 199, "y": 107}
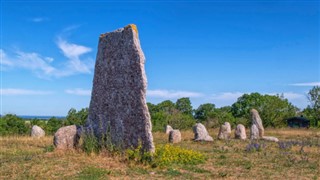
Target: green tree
{"x": 166, "y": 106}
{"x": 184, "y": 106}
{"x": 273, "y": 110}
{"x": 313, "y": 110}
{"x": 75, "y": 117}
{"x": 53, "y": 125}
{"x": 204, "y": 111}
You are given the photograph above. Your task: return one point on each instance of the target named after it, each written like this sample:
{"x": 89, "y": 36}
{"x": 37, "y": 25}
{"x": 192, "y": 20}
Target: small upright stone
{"x": 174, "y": 136}
{"x": 225, "y": 131}
{"x": 37, "y": 132}
{"x": 240, "y": 132}
{"x": 254, "y": 132}
{"x": 201, "y": 133}
{"x": 66, "y": 137}
{"x": 167, "y": 129}
{"x": 255, "y": 117}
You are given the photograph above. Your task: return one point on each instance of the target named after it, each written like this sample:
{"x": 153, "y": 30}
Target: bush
{"x": 11, "y": 124}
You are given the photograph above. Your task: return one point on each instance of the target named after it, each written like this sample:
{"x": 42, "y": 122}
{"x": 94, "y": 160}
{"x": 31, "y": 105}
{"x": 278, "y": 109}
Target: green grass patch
{"x": 93, "y": 173}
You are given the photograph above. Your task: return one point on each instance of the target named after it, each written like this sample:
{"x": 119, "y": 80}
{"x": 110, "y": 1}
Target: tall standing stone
{"x": 256, "y": 120}
{"x": 118, "y": 106}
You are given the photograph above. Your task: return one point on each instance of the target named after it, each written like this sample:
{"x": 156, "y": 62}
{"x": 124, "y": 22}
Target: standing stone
{"x": 240, "y": 132}
{"x": 256, "y": 120}
{"x": 37, "y": 131}
{"x": 174, "y": 136}
{"x": 201, "y": 133}
{"x": 167, "y": 129}
{"x": 118, "y": 107}
{"x": 66, "y": 137}
{"x": 254, "y": 132}
{"x": 225, "y": 131}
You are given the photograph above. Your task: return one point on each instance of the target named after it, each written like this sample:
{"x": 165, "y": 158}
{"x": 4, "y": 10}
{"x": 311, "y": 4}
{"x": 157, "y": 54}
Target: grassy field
{"x": 27, "y": 158}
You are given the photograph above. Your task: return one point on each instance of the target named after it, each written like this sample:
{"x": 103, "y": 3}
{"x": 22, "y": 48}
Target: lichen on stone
{"x": 133, "y": 27}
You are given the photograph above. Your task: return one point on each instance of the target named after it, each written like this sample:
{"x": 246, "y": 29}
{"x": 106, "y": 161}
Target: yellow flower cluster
{"x": 169, "y": 154}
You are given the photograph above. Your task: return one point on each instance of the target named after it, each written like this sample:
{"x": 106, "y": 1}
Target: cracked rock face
{"x": 118, "y": 102}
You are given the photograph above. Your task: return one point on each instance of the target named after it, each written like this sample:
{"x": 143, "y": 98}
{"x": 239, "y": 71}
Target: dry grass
{"x": 28, "y": 158}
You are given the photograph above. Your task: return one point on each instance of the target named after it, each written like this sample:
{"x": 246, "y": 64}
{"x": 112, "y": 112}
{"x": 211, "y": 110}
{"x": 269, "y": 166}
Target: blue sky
{"x": 212, "y": 52}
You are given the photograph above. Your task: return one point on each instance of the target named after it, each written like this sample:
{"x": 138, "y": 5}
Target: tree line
{"x": 273, "y": 109}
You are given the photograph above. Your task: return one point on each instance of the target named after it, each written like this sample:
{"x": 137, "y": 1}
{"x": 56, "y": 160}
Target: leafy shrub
{"x": 11, "y": 124}
{"x": 53, "y": 125}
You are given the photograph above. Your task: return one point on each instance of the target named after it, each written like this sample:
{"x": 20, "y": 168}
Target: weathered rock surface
{"x": 168, "y": 129}
{"x": 118, "y": 102}
{"x": 225, "y": 131}
{"x": 66, "y": 137}
{"x": 255, "y": 117}
{"x": 240, "y": 132}
{"x": 37, "y": 131}
{"x": 174, "y": 136}
{"x": 201, "y": 133}
{"x": 270, "y": 138}
{"x": 254, "y": 132}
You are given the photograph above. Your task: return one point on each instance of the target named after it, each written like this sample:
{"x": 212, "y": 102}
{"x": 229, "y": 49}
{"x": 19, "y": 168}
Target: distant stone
{"x": 225, "y": 131}
{"x": 66, "y": 137}
{"x": 240, "y": 132}
{"x": 270, "y": 138}
{"x": 256, "y": 120}
{"x": 254, "y": 132}
{"x": 201, "y": 133}
{"x": 168, "y": 129}
{"x": 37, "y": 131}
{"x": 118, "y": 105}
{"x": 174, "y": 136}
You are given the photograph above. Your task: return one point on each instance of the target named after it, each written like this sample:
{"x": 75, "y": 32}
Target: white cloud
{"x": 79, "y": 91}
{"x": 43, "y": 66}
{"x": 172, "y": 94}
{"x": 227, "y": 96}
{"x": 4, "y": 59}
{"x": 12, "y": 91}
{"x": 35, "y": 62}
{"x": 70, "y": 50}
{"x": 306, "y": 84}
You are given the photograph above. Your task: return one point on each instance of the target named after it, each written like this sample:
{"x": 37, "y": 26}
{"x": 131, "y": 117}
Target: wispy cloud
{"x": 79, "y": 92}
{"x": 12, "y": 91}
{"x": 44, "y": 67}
{"x": 172, "y": 94}
{"x": 4, "y": 59}
{"x": 227, "y": 96}
{"x": 306, "y": 84}
{"x": 38, "y": 19}
{"x": 73, "y": 53}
